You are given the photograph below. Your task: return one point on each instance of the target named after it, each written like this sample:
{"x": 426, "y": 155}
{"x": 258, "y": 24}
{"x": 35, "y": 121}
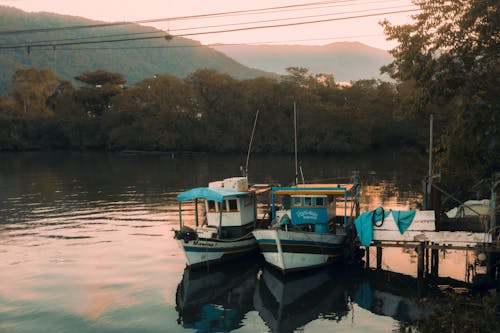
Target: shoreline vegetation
{"x": 449, "y": 71}
{"x": 206, "y": 112}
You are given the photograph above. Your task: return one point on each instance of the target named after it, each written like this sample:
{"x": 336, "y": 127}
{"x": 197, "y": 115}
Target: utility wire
{"x": 286, "y": 19}
{"x": 277, "y": 42}
{"x": 168, "y": 36}
{"x": 35, "y": 43}
{"x": 75, "y": 27}
{"x": 300, "y": 23}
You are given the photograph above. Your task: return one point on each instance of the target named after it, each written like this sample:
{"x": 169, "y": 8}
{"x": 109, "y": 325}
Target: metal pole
{"x": 250, "y": 144}
{"x": 295, "y": 139}
{"x": 429, "y": 181}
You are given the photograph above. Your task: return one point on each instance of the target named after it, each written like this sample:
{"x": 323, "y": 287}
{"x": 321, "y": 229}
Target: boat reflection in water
{"x": 287, "y": 302}
{"x": 218, "y": 298}
{"x": 392, "y": 294}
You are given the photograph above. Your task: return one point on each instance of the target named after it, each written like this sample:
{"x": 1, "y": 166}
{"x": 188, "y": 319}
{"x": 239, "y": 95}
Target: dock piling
{"x": 420, "y": 268}
{"x": 379, "y": 256}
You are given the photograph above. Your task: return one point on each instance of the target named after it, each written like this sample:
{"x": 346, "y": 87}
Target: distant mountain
{"x": 347, "y": 61}
{"x": 137, "y": 59}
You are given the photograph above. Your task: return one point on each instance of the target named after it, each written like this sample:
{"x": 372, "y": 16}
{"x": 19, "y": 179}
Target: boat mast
{"x": 250, "y": 144}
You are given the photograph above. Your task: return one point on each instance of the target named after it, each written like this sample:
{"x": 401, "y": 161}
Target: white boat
{"x": 306, "y": 230}
{"x": 230, "y": 216}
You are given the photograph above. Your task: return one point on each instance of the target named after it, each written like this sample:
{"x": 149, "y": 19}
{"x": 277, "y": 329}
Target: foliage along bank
{"x": 207, "y": 111}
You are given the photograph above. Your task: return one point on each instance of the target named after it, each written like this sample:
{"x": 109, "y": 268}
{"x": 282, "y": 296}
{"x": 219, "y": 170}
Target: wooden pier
{"x": 422, "y": 236}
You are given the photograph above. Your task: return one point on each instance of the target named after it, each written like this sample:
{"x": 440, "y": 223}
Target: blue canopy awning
{"x": 213, "y": 193}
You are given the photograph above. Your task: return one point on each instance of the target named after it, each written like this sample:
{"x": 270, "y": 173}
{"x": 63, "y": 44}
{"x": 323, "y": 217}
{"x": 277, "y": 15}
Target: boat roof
{"x": 210, "y": 193}
{"x": 313, "y": 189}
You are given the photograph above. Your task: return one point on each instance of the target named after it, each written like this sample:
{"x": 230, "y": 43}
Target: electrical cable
{"x": 168, "y": 36}
{"x": 75, "y": 27}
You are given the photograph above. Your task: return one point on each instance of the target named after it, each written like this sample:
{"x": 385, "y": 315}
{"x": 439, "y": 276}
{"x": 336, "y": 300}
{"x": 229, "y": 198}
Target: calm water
{"x": 86, "y": 246}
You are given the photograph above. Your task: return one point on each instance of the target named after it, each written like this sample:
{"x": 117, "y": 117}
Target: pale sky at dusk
{"x": 366, "y": 30}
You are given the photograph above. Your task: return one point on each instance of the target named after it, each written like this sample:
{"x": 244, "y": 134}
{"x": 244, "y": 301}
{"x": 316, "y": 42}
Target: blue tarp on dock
{"x": 375, "y": 218}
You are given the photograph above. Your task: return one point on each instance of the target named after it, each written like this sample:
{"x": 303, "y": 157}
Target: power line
{"x": 53, "y": 41}
{"x": 167, "y": 36}
{"x": 287, "y": 19}
{"x": 166, "y": 19}
{"x": 205, "y": 45}
{"x": 299, "y": 23}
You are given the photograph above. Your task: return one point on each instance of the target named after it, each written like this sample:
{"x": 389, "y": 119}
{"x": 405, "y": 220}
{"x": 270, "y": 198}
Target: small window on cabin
{"x": 296, "y": 201}
{"x": 307, "y": 201}
{"x": 233, "y": 205}
{"x": 223, "y": 206}
{"x": 320, "y": 202}
{"x": 211, "y": 205}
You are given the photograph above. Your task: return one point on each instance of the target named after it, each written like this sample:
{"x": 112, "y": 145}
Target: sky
{"x": 366, "y": 30}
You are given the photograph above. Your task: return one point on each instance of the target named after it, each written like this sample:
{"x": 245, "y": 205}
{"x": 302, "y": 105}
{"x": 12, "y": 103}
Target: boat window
{"x": 211, "y": 205}
{"x": 319, "y": 202}
{"x": 223, "y": 208}
{"x": 296, "y": 201}
{"x": 233, "y": 205}
{"x": 307, "y": 201}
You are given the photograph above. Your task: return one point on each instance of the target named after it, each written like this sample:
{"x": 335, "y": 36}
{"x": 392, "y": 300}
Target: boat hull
{"x": 298, "y": 250}
{"x": 201, "y": 251}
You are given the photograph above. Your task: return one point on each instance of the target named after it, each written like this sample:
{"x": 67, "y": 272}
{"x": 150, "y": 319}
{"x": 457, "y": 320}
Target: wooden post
{"x": 493, "y": 259}
{"x": 180, "y": 215}
{"x": 426, "y": 258}
{"x": 435, "y": 263}
{"x": 420, "y": 267}
{"x": 379, "y": 257}
{"x": 367, "y": 254}
{"x": 219, "y": 232}
{"x": 196, "y": 210}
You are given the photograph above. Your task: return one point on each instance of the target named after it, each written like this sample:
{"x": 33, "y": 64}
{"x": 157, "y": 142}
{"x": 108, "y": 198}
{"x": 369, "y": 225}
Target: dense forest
{"x": 207, "y": 111}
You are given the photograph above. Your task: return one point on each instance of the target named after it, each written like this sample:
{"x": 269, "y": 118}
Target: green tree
{"x": 31, "y": 89}
{"x": 101, "y": 77}
{"x": 218, "y": 97}
{"x": 450, "y": 52}
{"x": 101, "y": 87}
{"x": 157, "y": 113}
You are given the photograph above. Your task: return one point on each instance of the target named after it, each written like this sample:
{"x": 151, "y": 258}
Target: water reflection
{"x": 391, "y": 294}
{"x": 216, "y": 299}
{"x": 220, "y": 299}
{"x": 288, "y": 302}
{"x": 87, "y": 236}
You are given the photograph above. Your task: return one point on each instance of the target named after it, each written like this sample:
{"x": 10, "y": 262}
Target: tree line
{"x": 446, "y": 64}
{"x": 207, "y": 111}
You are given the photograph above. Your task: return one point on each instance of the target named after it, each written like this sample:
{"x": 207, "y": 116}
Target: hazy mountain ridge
{"x": 347, "y": 61}
{"x": 137, "y": 60}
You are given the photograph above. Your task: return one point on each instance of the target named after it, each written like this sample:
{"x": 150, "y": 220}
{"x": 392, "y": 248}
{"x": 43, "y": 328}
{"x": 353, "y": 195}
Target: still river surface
{"x": 86, "y": 245}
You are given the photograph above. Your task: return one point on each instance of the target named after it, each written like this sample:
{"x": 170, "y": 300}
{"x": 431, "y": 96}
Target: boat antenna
{"x": 251, "y": 141}
{"x": 302, "y": 174}
{"x": 295, "y": 139}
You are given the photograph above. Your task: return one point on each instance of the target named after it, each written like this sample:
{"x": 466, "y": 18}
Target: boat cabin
{"x": 315, "y": 207}
{"x": 232, "y": 211}
{"x": 227, "y": 203}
